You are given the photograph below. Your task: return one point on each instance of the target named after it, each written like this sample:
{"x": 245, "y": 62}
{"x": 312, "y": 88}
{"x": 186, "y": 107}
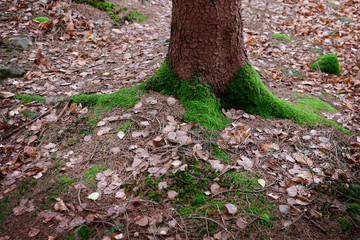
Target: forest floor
{"x": 139, "y": 171}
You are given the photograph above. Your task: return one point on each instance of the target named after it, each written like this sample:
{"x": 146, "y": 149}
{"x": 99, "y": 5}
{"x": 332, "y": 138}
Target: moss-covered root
{"x": 199, "y": 101}
{"x": 246, "y": 91}
{"x": 327, "y": 63}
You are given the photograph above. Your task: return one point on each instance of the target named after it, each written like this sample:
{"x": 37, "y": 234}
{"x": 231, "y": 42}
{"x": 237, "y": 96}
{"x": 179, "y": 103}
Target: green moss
{"x": 54, "y": 190}
{"x": 11, "y": 200}
{"x": 219, "y": 154}
{"x": 124, "y": 98}
{"x": 313, "y": 104}
{"x": 345, "y": 224}
{"x": 327, "y": 63}
{"x": 42, "y": 19}
{"x": 123, "y": 127}
{"x": 26, "y": 98}
{"x": 85, "y": 232}
{"x": 90, "y": 174}
{"x": 109, "y": 7}
{"x": 132, "y": 16}
{"x": 279, "y": 36}
{"x": 199, "y": 101}
{"x": 246, "y": 91}
{"x": 332, "y": 5}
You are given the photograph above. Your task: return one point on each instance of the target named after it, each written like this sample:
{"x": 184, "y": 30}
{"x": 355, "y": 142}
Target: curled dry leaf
{"x": 60, "y": 206}
{"x": 301, "y": 158}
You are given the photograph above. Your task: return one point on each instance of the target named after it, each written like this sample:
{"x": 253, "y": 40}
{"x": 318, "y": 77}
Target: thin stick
{"x": 223, "y": 227}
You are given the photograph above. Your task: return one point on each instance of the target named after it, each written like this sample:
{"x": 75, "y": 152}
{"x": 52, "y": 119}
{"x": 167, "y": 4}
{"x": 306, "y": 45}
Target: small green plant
{"x": 279, "y": 36}
{"x": 346, "y": 19}
{"x": 30, "y": 114}
{"x": 291, "y": 73}
{"x": 90, "y": 174}
{"x": 42, "y": 19}
{"x": 27, "y": 98}
{"x": 113, "y": 229}
{"x": 327, "y": 63}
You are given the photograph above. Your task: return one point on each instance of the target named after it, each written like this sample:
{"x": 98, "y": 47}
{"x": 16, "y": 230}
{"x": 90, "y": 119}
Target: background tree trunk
{"x": 206, "y": 41}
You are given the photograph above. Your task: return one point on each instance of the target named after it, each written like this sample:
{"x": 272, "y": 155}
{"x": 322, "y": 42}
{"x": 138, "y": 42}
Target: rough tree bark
{"x": 207, "y": 44}
{"x": 206, "y": 41}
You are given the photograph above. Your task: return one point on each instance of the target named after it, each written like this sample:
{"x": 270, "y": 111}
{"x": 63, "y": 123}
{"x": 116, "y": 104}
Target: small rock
{"x": 22, "y": 43}
{"x": 10, "y": 72}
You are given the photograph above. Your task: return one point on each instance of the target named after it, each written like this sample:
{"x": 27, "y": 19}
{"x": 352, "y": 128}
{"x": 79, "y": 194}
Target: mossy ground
{"x": 124, "y": 98}
{"x": 90, "y": 174}
{"x": 9, "y": 201}
{"x": 27, "y": 98}
{"x": 313, "y": 104}
{"x": 110, "y": 8}
{"x": 200, "y": 103}
{"x": 327, "y": 63}
{"x": 279, "y": 36}
{"x": 192, "y": 201}
{"x": 245, "y": 91}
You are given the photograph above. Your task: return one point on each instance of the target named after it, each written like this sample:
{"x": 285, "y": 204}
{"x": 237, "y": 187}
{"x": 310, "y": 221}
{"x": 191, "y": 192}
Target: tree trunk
{"x": 206, "y": 41}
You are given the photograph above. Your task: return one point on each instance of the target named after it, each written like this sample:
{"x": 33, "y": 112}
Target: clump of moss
{"x": 327, "y": 63}
{"x": 313, "y": 104}
{"x": 90, "y": 174}
{"x": 85, "y": 232}
{"x": 279, "y": 36}
{"x": 219, "y": 154}
{"x": 246, "y": 91}
{"x": 332, "y": 5}
{"x": 199, "y": 101}
{"x": 345, "y": 224}
{"x": 27, "y": 98}
{"x": 42, "y": 19}
{"x": 132, "y": 16}
{"x": 123, "y": 98}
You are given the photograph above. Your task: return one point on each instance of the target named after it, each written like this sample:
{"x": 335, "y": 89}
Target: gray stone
{"x": 10, "y": 72}
{"x": 21, "y": 43}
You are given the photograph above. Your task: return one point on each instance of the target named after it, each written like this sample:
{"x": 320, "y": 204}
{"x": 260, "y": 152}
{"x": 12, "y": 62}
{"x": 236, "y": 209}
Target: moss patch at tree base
{"x": 200, "y": 103}
{"x": 246, "y": 91}
{"x": 327, "y": 63}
